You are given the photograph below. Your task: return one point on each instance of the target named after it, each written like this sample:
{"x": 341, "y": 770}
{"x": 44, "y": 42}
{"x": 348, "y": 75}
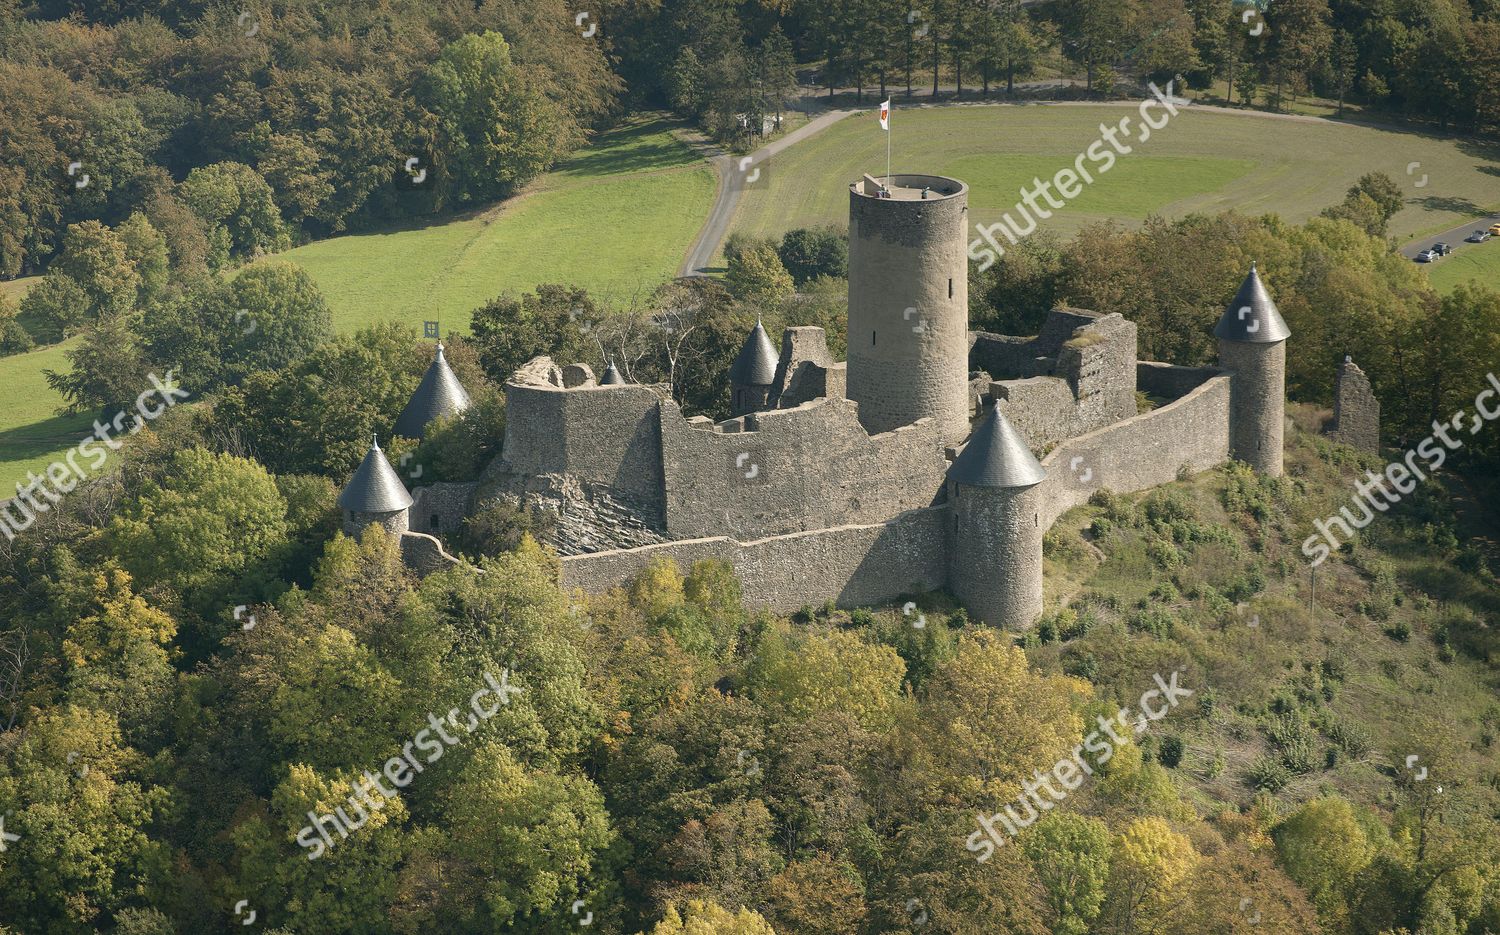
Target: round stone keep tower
{"x": 1252, "y": 345}
{"x": 997, "y": 531}
{"x": 375, "y": 496}
{"x": 909, "y": 302}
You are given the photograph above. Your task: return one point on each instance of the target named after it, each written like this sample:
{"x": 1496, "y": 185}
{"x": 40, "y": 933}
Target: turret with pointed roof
{"x": 753, "y": 373}
{"x": 996, "y": 565}
{"x": 439, "y": 394}
{"x": 375, "y": 495}
{"x": 611, "y": 376}
{"x": 1252, "y": 345}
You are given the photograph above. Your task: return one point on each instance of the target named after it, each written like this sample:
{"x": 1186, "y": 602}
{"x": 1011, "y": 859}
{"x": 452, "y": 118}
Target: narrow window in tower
{"x": 950, "y": 287}
{"x": 872, "y": 339}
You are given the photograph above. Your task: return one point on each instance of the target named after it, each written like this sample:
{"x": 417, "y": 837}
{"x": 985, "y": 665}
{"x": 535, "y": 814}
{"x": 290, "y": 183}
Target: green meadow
{"x": 1202, "y": 161}
{"x": 617, "y": 219}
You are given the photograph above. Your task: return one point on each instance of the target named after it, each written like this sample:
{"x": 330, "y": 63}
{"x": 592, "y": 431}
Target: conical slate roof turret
{"x": 1252, "y": 316}
{"x": 374, "y": 488}
{"x": 611, "y": 376}
{"x": 439, "y": 394}
{"x": 997, "y": 456}
{"x": 756, "y": 365}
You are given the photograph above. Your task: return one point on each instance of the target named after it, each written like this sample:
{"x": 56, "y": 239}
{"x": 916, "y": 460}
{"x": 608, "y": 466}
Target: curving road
{"x": 1454, "y": 237}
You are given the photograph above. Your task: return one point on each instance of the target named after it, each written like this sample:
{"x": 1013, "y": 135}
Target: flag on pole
{"x": 885, "y": 114}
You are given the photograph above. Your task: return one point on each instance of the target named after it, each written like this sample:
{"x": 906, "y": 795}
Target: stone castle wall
{"x": 850, "y": 565}
{"x": 440, "y": 509}
{"x": 606, "y": 435}
{"x": 1078, "y": 375}
{"x": 1356, "y": 411}
{"x": 1141, "y": 452}
{"x": 788, "y": 470}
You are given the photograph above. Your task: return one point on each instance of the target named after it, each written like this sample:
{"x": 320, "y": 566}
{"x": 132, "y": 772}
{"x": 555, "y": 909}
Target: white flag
{"x": 885, "y": 114}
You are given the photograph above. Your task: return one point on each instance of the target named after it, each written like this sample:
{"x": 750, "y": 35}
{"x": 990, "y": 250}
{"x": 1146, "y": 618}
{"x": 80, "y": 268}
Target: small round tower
{"x": 996, "y": 567}
{"x": 909, "y": 302}
{"x": 375, "y": 496}
{"x": 1252, "y": 346}
{"x": 611, "y": 376}
{"x": 439, "y": 394}
{"x": 753, "y": 373}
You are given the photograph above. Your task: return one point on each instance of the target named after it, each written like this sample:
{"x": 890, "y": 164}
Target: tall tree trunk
{"x": 1010, "y": 76}
{"x": 908, "y": 61}
{"x": 934, "y": 64}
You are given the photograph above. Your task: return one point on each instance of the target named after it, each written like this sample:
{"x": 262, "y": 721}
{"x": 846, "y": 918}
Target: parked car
{"x": 1479, "y": 236}
{"x": 1428, "y": 255}
{"x": 1495, "y": 229}
{"x": 1442, "y": 248}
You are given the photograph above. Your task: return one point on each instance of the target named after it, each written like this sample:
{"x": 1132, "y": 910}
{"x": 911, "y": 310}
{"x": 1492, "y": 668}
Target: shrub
{"x": 1170, "y": 754}
{"x": 1268, "y": 774}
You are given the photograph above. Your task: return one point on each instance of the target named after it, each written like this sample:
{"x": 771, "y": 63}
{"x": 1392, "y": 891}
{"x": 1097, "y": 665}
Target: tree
{"x": 705, "y": 917}
{"x": 508, "y": 331}
{"x": 108, "y": 370}
{"x": 58, "y": 303}
{"x": 810, "y": 252}
{"x": 237, "y": 206}
{"x": 801, "y": 675}
{"x": 1342, "y": 67}
{"x": 1323, "y": 848}
{"x": 756, "y": 275}
{"x": 146, "y": 251}
{"x": 1071, "y": 856}
{"x": 318, "y": 414}
{"x": 98, "y": 259}
{"x": 86, "y": 848}
{"x": 1150, "y": 864}
{"x": 496, "y": 131}
{"x": 206, "y": 526}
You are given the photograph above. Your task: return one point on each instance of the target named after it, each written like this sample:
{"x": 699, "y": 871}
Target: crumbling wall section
{"x": 786, "y": 470}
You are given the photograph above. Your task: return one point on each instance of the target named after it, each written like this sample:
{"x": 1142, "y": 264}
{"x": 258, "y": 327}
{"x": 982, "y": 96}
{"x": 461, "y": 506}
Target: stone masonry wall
{"x": 851, "y": 565}
{"x": 447, "y": 503}
{"x": 606, "y": 435}
{"x": 1090, "y": 382}
{"x": 811, "y": 467}
{"x": 1140, "y": 452}
{"x": 1168, "y": 381}
{"x": 1356, "y": 411}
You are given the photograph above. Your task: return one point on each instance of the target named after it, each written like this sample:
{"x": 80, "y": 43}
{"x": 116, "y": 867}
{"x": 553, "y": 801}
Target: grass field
{"x": 617, "y": 220}
{"x": 31, "y": 432}
{"x": 1477, "y": 262}
{"x": 1203, "y": 161}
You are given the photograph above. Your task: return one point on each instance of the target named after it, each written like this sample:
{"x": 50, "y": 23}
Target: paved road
{"x": 732, "y": 182}
{"x": 1455, "y": 238}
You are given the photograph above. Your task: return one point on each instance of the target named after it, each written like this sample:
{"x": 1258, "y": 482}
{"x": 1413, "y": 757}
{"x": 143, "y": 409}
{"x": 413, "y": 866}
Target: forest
{"x": 196, "y": 665}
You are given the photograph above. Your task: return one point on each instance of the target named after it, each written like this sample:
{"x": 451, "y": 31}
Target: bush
{"x": 1170, "y": 754}
{"x": 1268, "y": 774}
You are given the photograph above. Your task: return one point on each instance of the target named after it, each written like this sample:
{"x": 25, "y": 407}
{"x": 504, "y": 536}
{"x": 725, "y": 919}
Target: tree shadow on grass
{"x": 631, "y": 148}
{"x": 1449, "y": 203}
{"x": 49, "y": 436}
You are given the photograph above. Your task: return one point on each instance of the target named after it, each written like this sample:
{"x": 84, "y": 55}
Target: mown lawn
{"x": 1203, "y": 161}
{"x": 617, "y": 219}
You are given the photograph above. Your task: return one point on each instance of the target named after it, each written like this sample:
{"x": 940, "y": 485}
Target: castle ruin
{"x": 934, "y": 457}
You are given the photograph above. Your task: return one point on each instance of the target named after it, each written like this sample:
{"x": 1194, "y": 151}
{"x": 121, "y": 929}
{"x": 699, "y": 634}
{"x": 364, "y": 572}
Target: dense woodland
{"x": 676, "y": 762}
